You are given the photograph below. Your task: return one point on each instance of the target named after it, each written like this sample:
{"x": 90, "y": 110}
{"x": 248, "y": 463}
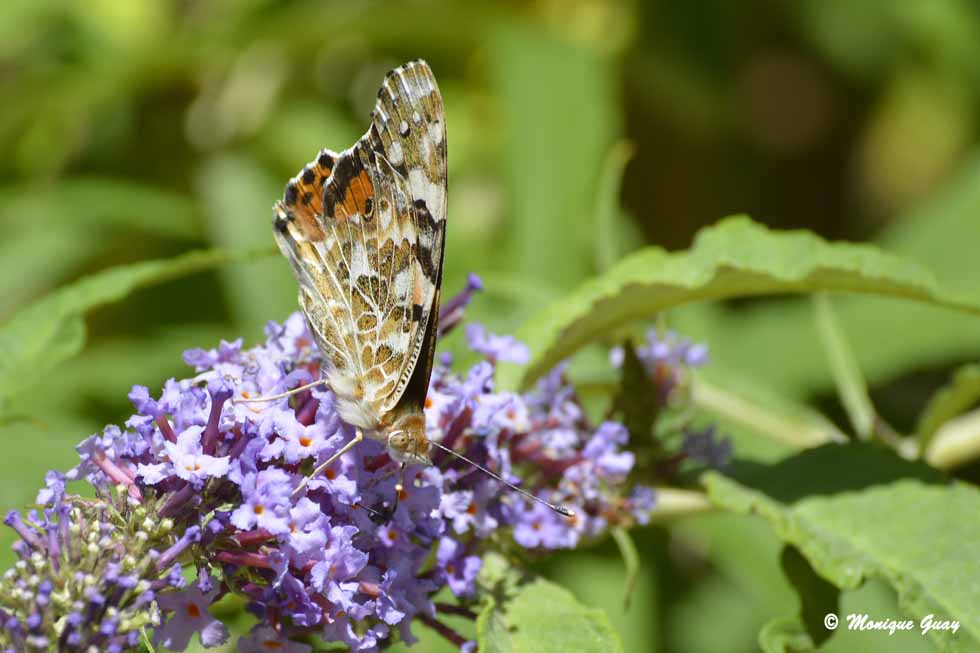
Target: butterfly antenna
{"x": 561, "y": 510}
{"x": 281, "y": 395}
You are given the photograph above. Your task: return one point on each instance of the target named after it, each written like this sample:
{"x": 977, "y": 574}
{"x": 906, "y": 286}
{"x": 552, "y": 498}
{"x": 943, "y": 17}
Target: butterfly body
{"x": 364, "y": 232}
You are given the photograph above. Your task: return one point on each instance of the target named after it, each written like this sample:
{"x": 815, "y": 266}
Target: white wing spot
{"x": 435, "y": 132}
{"x": 416, "y": 118}
{"x": 433, "y": 193}
{"x": 397, "y": 156}
{"x": 403, "y": 128}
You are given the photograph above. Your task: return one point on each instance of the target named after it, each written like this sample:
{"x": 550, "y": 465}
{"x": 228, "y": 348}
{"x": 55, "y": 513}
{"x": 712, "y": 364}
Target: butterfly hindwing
{"x": 367, "y": 248}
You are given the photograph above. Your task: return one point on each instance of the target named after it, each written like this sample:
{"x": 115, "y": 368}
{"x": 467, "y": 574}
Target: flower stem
{"x": 673, "y": 503}
{"x": 457, "y": 610}
{"x": 444, "y": 630}
{"x": 799, "y": 429}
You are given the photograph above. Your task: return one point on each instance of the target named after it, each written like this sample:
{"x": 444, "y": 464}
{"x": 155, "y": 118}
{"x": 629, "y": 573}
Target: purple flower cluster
{"x": 88, "y": 574}
{"x": 355, "y": 555}
{"x": 667, "y": 359}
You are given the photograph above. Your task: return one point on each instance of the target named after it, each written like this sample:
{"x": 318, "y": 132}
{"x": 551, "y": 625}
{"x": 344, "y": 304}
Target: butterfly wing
{"x": 364, "y": 232}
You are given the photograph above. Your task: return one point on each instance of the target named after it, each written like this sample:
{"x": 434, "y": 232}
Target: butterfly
{"x": 364, "y": 232}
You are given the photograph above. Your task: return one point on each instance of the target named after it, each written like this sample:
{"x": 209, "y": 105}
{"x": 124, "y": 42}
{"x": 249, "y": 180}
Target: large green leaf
{"x": 544, "y": 618}
{"x": 735, "y": 258}
{"x": 942, "y": 234}
{"x": 48, "y": 331}
{"x": 858, "y": 512}
{"x": 597, "y": 575}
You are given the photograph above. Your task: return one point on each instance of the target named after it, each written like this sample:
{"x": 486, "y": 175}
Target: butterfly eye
{"x": 397, "y": 440}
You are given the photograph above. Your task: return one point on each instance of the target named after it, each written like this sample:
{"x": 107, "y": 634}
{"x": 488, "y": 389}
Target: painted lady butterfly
{"x": 364, "y": 232}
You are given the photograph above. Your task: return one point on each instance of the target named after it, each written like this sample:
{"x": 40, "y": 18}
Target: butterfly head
{"x": 406, "y": 440}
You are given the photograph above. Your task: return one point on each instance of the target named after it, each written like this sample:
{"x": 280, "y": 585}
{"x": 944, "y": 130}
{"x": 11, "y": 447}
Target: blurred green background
{"x": 136, "y": 130}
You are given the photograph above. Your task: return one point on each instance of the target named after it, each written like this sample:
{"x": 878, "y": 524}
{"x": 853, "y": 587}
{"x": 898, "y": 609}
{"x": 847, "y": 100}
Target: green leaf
{"x": 491, "y": 629}
{"x": 851, "y": 387}
{"x": 735, "y": 258}
{"x": 544, "y": 618}
{"x": 941, "y": 234}
{"x": 631, "y": 559}
{"x": 962, "y": 393}
{"x": 497, "y": 576}
{"x": 857, "y": 511}
{"x": 785, "y": 635}
{"x": 50, "y": 330}
{"x": 817, "y": 597}
{"x": 596, "y": 577}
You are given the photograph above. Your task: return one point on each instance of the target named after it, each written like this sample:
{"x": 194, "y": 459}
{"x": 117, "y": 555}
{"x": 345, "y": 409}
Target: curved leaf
{"x": 817, "y": 597}
{"x": 785, "y": 635}
{"x": 857, "y": 511}
{"x": 735, "y": 258}
{"x": 50, "y": 330}
{"x": 544, "y": 618}
{"x": 941, "y": 234}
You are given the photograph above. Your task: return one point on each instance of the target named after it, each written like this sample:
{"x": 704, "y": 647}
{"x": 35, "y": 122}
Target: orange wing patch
{"x": 359, "y": 197}
{"x": 302, "y": 201}
{"x": 349, "y": 191}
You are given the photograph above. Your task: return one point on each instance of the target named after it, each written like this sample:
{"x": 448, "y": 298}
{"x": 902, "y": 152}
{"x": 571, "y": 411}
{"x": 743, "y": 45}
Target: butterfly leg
{"x": 281, "y": 395}
{"x": 358, "y": 436}
{"x": 386, "y": 514}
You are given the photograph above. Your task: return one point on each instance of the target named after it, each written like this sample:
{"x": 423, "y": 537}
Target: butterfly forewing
{"x": 364, "y": 232}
